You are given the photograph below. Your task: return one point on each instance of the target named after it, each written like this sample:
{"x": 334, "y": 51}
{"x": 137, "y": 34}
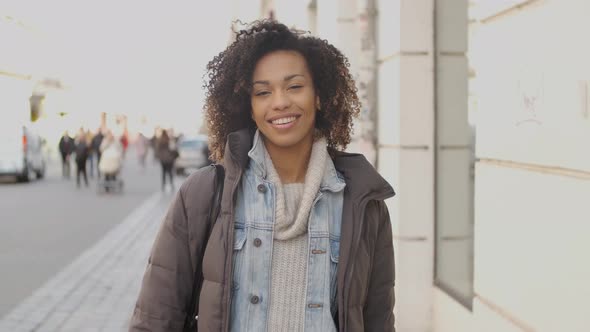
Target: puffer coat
{"x": 365, "y": 276}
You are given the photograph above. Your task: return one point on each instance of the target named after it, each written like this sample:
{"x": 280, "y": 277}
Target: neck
{"x": 291, "y": 163}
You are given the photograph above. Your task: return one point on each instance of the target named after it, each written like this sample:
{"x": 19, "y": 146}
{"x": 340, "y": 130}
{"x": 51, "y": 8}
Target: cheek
{"x": 255, "y": 110}
{"x": 305, "y": 101}
{"x": 257, "y": 114}
{"x": 310, "y": 104}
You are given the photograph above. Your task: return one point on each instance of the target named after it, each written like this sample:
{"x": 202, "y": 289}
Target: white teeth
{"x": 284, "y": 120}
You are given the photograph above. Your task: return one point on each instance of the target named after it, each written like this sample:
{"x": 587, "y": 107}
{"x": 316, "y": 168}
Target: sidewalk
{"x": 97, "y": 291}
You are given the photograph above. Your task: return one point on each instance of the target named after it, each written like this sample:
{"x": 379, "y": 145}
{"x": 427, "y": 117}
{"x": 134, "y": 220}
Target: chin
{"x": 285, "y": 141}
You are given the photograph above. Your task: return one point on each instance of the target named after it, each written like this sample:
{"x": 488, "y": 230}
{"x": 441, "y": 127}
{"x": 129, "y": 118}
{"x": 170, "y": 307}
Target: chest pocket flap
{"x": 334, "y": 250}
{"x": 239, "y": 238}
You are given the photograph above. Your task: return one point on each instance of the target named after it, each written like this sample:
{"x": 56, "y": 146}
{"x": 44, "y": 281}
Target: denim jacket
{"x": 253, "y": 243}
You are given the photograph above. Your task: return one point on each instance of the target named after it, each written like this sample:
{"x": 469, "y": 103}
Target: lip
{"x": 286, "y": 125}
{"x": 286, "y": 115}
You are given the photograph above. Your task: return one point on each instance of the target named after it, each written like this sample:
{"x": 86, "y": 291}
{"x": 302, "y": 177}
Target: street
{"x": 46, "y": 224}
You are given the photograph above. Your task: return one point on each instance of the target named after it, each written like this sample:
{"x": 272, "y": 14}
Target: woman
{"x": 303, "y": 241}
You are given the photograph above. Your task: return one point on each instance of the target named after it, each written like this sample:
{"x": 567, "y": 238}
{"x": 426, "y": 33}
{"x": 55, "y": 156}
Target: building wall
{"x": 19, "y": 67}
{"x": 531, "y": 110}
{"x": 20, "y": 48}
{"x": 533, "y": 172}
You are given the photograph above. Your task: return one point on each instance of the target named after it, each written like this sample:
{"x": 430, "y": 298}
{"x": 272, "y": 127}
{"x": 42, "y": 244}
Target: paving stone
{"x": 97, "y": 291}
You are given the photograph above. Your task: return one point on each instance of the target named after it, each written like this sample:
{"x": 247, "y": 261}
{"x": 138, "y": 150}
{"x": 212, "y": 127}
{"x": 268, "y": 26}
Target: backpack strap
{"x": 190, "y": 323}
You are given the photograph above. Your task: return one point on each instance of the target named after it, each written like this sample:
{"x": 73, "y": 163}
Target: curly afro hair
{"x": 228, "y": 107}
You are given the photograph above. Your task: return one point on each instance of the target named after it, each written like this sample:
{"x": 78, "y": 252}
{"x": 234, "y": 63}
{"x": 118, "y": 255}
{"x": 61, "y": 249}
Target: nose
{"x": 280, "y": 101}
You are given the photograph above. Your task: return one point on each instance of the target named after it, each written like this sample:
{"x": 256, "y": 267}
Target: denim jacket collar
{"x": 332, "y": 181}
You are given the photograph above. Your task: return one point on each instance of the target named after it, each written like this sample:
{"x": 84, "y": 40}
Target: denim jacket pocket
{"x": 334, "y": 250}
{"x": 239, "y": 258}
{"x": 239, "y": 238}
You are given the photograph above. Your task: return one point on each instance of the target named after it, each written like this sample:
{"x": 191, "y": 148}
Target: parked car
{"x": 21, "y": 152}
{"x": 192, "y": 154}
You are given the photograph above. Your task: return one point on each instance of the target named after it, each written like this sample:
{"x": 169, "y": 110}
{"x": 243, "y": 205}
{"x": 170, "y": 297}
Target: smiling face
{"x": 284, "y": 101}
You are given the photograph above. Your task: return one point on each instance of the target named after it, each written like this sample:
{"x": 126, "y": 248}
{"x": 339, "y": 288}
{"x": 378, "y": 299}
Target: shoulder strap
{"x": 190, "y": 323}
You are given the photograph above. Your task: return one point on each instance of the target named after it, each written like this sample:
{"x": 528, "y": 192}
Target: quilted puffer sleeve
{"x": 378, "y": 311}
{"x": 178, "y": 249}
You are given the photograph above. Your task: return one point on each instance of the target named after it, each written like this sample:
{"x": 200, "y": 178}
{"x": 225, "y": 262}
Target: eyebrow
{"x": 287, "y": 78}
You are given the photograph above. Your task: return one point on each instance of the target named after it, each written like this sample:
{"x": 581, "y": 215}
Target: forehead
{"x": 277, "y": 64}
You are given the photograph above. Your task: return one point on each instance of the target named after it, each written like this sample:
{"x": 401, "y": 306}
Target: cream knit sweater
{"x": 290, "y": 245}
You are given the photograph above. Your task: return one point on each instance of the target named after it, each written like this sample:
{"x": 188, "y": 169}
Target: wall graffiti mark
{"x": 530, "y": 96}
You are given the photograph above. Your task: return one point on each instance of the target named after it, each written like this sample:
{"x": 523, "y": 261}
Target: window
{"x": 454, "y": 162}
{"x": 455, "y": 177}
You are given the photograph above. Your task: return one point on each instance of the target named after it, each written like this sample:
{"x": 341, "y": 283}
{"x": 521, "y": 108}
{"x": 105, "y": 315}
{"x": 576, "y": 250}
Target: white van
{"x": 21, "y": 153}
{"x": 21, "y": 148}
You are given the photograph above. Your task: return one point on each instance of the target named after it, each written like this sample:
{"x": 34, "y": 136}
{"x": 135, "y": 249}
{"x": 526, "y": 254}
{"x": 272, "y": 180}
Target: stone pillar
{"x": 337, "y": 23}
{"x": 406, "y": 150}
{"x": 327, "y": 25}
{"x": 292, "y": 13}
{"x": 350, "y": 25}
{"x": 423, "y": 141}
{"x": 365, "y": 138}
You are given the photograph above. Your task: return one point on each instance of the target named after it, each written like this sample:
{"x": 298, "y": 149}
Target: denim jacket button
{"x": 254, "y": 299}
{"x": 262, "y": 188}
{"x": 257, "y": 242}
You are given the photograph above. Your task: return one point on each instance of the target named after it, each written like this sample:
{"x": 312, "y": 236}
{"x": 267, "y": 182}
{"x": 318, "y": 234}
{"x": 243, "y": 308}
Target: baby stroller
{"x": 111, "y": 162}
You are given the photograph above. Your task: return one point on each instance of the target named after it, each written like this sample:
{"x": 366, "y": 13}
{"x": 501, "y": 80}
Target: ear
{"x": 318, "y": 105}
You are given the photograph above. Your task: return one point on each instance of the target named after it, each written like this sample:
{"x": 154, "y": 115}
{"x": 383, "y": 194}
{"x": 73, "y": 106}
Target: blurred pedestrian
{"x": 95, "y": 147}
{"x": 154, "y": 141}
{"x": 111, "y": 159}
{"x": 91, "y": 154}
{"x": 82, "y": 148}
{"x": 303, "y": 241}
{"x": 66, "y": 147}
{"x": 167, "y": 154}
{"x": 124, "y": 142}
{"x": 142, "y": 149}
